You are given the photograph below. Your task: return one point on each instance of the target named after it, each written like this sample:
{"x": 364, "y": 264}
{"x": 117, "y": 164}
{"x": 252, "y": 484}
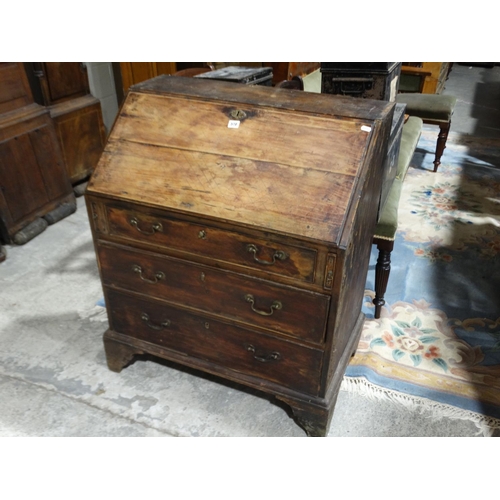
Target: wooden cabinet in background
{"x": 136, "y": 72}
{"x": 81, "y": 134}
{"x": 435, "y": 74}
{"x": 61, "y": 81}
{"x": 33, "y": 181}
{"x": 64, "y": 88}
{"x": 15, "y": 91}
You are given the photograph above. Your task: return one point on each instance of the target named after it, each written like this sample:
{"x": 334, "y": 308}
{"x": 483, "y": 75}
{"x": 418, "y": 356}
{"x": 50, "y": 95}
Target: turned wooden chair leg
{"x": 382, "y": 271}
{"x": 441, "y": 143}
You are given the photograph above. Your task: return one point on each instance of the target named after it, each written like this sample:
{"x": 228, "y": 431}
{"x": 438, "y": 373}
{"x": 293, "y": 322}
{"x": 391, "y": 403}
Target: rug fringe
{"x": 488, "y": 426}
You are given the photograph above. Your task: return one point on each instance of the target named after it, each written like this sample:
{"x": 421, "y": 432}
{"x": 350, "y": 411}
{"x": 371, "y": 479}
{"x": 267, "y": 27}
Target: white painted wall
{"x": 102, "y": 86}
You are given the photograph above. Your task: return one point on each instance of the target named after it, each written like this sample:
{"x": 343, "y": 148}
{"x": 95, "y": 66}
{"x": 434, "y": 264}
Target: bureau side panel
{"x": 354, "y": 254}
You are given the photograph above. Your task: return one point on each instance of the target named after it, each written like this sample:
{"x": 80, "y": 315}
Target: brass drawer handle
{"x": 264, "y": 358}
{"x": 155, "y": 228}
{"x": 161, "y": 326}
{"x": 279, "y": 254}
{"x": 275, "y": 305}
{"x": 158, "y": 276}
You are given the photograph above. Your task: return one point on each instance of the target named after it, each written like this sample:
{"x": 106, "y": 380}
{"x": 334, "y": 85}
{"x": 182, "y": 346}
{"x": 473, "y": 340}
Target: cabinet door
{"x": 21, "y": 179}
{"x": 15, "y": 91}
{"x": 81, "y": 135}
{"x": 62, "y": 80}
{"x": 32, "y": 176}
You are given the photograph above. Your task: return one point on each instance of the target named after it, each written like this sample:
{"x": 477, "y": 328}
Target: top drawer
{"x": 227, "y": 246}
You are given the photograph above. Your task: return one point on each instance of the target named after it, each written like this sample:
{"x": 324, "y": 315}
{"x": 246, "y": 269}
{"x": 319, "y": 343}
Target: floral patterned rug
{"x": 436, "y": 346}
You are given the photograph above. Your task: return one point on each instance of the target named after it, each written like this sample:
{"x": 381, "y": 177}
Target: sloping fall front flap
{"x": 289, "y": 171}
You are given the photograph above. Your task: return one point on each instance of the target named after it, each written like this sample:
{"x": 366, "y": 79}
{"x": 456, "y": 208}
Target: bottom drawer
{"x": 291, "y": 365}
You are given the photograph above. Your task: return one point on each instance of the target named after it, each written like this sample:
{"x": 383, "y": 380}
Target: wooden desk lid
{"x": 290, "y": 165}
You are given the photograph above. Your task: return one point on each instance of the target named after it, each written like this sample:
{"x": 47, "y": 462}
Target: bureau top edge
{"x": 323, "y": 104}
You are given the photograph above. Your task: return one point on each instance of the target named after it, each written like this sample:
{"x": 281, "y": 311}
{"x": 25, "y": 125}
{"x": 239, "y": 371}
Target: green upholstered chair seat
{"x": 412, "y": 130}
{"x": 428, "y": 106}
{"x": 312, "y": 82}
{"x": 410, "y": 136}
{"x": 385, "y": 230}
{"x": 388, "y": 222}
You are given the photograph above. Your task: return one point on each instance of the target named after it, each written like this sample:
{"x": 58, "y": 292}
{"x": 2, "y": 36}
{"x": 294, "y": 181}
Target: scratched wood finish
{"x": 289, "y": 138}
{"x": 234, "y": 174}
{"x": 245, "y": 191}
{"x": 241, "y": 252}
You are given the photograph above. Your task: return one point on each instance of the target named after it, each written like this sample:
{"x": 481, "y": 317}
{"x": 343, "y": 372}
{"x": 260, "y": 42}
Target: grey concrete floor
{"x": 53, "y": 376}
{"x": 477, "y": 89}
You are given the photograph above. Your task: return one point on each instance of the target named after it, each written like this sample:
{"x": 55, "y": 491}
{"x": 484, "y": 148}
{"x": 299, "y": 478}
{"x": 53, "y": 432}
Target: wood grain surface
{"x": 283, "y": 171}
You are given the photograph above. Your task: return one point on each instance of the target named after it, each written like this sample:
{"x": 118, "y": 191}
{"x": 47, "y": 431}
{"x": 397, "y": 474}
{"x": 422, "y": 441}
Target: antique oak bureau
{"x": 232, "y": 226}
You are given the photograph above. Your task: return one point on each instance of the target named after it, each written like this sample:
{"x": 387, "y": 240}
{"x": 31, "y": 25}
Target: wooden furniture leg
{"x": 118, "y": 355}
{"x": 314, "y": 414}
{"x": 382, "y": 271}
{"x": 441, "y": 143}
{"x": 433, "y": 110}
{"x": 315, "y": 420}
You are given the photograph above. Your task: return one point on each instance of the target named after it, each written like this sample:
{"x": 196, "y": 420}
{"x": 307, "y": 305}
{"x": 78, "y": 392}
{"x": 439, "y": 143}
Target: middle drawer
{"x": 284, "y": 309}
